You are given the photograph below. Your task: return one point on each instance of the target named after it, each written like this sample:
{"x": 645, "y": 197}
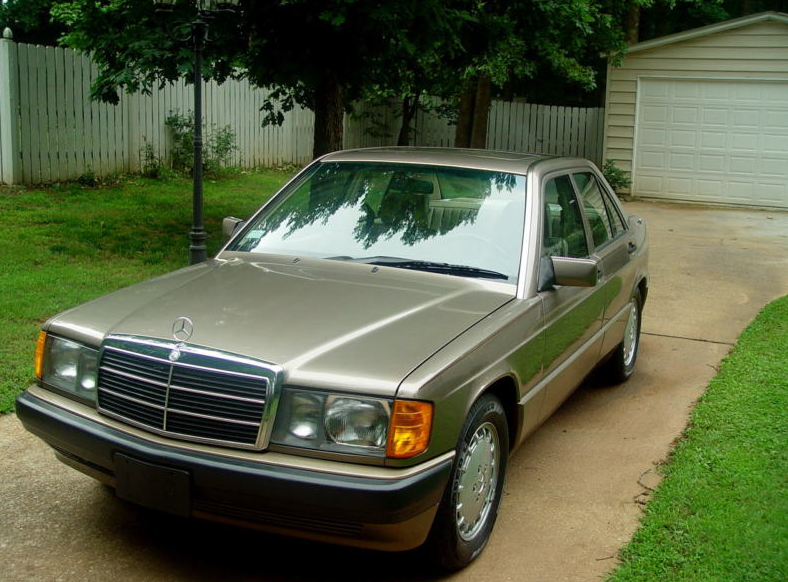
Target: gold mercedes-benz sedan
{"x": 358, "y": 362}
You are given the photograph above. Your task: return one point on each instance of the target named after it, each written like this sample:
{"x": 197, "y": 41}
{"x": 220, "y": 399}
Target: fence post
{"x": 10, "y": 156}
{"x": 132, "y": 119}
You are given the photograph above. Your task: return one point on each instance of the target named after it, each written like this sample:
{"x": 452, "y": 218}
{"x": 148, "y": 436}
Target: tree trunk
{"x": 632, "y": 22}
{"x": 409, "y": 107}
{"x": 329, "y": 112}
{"x": 747, "y": 8}
{"x": 462, "y": 136}
{"x": 481, "y": 110}
{"x": 474, "y": 109}
{"x": 661, "y": 17}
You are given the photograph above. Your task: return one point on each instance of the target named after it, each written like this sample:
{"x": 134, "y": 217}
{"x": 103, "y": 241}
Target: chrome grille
{"x": 188, "y": 392}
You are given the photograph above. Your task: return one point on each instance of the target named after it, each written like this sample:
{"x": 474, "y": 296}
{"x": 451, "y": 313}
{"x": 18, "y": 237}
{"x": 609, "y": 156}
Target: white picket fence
{"x": 51, "y": 131}
{"x": 512, "y": 126}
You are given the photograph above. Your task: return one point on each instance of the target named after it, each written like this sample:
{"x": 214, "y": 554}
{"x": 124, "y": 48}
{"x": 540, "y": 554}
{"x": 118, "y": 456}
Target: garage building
{"x": 702, "y": 115}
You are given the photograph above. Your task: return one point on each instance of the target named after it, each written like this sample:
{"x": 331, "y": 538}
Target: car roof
{"x": 517, "y": 163}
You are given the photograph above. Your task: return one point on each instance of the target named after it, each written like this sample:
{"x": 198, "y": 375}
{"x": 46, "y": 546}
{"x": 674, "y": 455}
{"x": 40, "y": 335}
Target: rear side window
{"x": 615, "y": 218}
{"x": 596, "y": 208}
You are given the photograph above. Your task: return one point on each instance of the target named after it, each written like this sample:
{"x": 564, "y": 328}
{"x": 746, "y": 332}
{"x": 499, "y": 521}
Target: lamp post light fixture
{"x": 200, "y": 4}
{"x": 203, "y": 11}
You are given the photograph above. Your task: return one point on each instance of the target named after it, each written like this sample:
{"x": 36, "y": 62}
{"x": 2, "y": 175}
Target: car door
{"x": 573, "y": 315}
{"x": 610, "y": 244}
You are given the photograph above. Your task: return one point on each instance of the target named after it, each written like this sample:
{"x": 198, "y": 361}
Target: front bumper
{"x": 390, "y": 512}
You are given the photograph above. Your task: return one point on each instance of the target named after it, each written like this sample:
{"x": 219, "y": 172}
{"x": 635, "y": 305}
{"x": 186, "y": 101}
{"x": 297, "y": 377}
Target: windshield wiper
{"x": 447, "y": 268}
{"x": 431, "y": 266}
{"x": 381, "y": 259}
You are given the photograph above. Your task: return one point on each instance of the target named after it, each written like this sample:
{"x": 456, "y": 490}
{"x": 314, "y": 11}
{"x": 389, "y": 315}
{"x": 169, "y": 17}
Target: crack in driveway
{"x": 691, "y": 339}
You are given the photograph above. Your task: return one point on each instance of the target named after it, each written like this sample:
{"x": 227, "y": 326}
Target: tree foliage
{"x": 319, "y": 55}
{"x": 137, "y": 47}
{"x": 30, "y": 21}
{"x": 496, "y": 43}
{"x": 659, "y": 18}
{"x": 530, "y": 41}
{"x": 324, "y": 54}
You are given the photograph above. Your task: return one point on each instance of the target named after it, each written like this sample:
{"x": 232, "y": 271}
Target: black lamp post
{"x": 203, "y": 10}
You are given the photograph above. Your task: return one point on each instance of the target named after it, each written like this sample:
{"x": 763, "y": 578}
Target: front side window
{"x": 563, "y": 233}
{"x": 402, "y": 215}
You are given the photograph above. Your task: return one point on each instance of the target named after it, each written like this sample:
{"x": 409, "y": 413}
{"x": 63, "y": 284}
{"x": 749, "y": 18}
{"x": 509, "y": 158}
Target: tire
{"x": 469, "y": 506}
{"x": 621, "y": 364}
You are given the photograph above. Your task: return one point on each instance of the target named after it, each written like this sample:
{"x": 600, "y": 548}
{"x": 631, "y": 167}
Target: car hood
{"x": 329, "y": 324}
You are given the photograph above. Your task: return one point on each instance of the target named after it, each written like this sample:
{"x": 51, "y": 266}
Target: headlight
{"x": 332, "y": 422}
{"x": 305, "y": 412}
{"x": 67, "y": 366}
{"x": 346, "y": 423}
{"x": 357, "y": 422}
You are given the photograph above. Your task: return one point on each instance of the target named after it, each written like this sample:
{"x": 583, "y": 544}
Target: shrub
{"x": 219, "y": 147}
{"x": 219, "y": 144}
{"x": 152, "y": 165}
{"x": 181, "y": 128}
{"x": 615, "y": 176}
{"x": 88, "y": 178}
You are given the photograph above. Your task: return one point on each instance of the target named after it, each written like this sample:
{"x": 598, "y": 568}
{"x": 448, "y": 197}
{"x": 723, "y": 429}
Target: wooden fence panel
{"x": 10, "y": 167}
{"x": 57, "y": 123}
{"x": 548, "y": 122}
{"x": 40, "y": 138}
{"x": 50, "y": 150}
{"x": 154, "y": 121}
{"x": 93, "y": 116}
{"x": 107, "y": 148}
{"x": 78, "y": 98}
{"x": 566, "y": 136}
{"x": 242, "y": 94}
{"x": 37, "y": 90}
{"x": 66, "y": 98}
{"x": 518, "y": 127}
{"x": 24, "y": 113}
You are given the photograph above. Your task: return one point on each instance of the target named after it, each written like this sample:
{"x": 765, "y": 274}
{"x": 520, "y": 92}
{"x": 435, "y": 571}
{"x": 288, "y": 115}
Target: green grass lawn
{"x": 721, "y": 513}
{"x": 65, "y": 244}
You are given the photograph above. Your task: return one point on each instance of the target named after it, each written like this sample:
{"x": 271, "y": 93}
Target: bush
{"x": 181, "y": 128}
{"x": 152, "y": 165}
{"x": 88, "y": 178}
{"x": 219, "y": 144}
{"x": 219, "y": 147}
{"x": 615, "y": 176}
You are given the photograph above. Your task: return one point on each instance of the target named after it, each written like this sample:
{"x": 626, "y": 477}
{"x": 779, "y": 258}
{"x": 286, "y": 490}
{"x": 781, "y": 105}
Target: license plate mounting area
{"x": 155, "y": 486}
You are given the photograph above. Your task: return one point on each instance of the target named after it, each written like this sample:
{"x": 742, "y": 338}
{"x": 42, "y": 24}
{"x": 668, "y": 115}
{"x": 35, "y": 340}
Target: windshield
{"x": 460, "y": 221}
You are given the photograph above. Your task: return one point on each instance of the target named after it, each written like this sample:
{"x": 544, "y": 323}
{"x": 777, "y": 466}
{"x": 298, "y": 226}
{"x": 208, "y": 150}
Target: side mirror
{"x": 575, "y": 272}
{"x": 231, "y": 225}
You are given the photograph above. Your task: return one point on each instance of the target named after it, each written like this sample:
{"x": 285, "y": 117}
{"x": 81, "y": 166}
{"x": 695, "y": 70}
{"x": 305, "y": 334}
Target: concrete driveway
{"x": 574, "y": 492}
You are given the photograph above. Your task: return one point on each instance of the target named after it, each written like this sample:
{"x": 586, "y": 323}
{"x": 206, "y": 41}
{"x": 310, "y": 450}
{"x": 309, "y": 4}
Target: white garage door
{"x": 713, "y": 141}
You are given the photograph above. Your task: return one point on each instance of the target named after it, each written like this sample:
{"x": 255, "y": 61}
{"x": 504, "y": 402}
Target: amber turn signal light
{"x": 409, "y": 431}
{"x": 42, "y": 338}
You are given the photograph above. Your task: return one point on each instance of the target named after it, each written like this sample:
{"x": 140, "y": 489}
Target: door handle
{"x": 631, "y": 247}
